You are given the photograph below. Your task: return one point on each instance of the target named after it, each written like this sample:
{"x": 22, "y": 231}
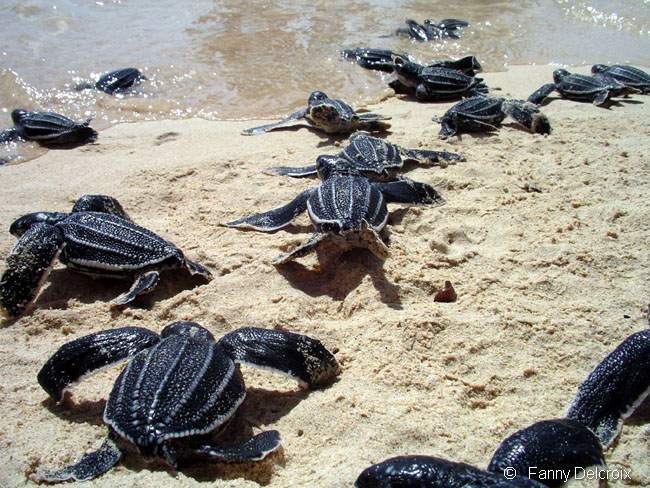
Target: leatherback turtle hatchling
{"x": 549, "y": 446}
{"x": 481, "y": 113}
{"x": 329, "y": 115}
{"x": 579, "y": 87}
{"x": 47, "y": 128}
{"x": 96, "y": 238}
{"x": 177, "y": 386}
{"x": 374, "y": 158}
{"x": 627, "y": 75}
{"x": 431, "y": 83}
{"x": 615, "y": 388}
{"x": 346, "y": 209}
{"x": 430, "y": 30}
{"x": 116, "y": 81}
{"x": 433, "y": 472}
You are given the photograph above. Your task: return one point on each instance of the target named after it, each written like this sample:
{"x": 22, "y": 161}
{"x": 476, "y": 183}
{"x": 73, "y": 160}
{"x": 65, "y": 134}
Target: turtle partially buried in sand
{"x": 48, "y": 129}
{"x": 374, "y": 158}
{"x": 329, "y": 115}
{"x": 177, "y": 386}
{"x": 346, "y": 209}
{"x": 96, "y": 238}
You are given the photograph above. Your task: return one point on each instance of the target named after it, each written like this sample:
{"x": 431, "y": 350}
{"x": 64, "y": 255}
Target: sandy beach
{"x": 545, "y": 239}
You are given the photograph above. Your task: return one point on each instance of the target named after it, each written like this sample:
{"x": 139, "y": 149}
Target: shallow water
{"x": 241, "y": 59}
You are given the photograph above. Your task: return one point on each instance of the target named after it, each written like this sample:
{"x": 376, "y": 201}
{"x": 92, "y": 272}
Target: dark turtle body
{"x": 614, "y": 389}
{"x": 430, "y": 30}
{"x": 627, "y": 75}
{"x": 346, "y": 209}
{"x": 431, "y": 83}
{"x": 177, "y": 385}
{"x": 580, "y": 88}
{"x": 329, "y": 115}
{"x": 48, "y": 129}
{"x": 96, "y": 238}
{"x": 374, "y": 158}
{"x": 434, "y": 472}
{"x": 481, "y": 114}
{"x": 557, "y": 445}
{"x": 117, "y": 81}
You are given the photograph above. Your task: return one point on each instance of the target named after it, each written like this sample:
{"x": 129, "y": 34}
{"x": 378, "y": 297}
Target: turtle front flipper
{"x": 299, "y": 356}
{"x": 89, "y": 353}
{"x": 430, "y": 158}
{"x": 90, "y": 466}
{"x": 254, "y": 449}
{"x": 615, "y": 388}
{"x": 274, "y": 219}
{"x": 409, "y": 191}
{"x": 28, "y": 265}
{"x": 298, "y": 172}
{"x": 539, "y": 95}
{"x": 100, "y": 203}
{"x": 9, "y": 135}
{"x": 265, "y": 128}
{"x": 143, "y": 284}
{"x": 302, "y": 250}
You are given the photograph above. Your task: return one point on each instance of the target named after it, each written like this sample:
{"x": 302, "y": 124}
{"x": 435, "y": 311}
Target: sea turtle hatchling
{"x": 346, "y": 209}
{"x": 481, "y": 114}
{"x": 579, "y": 87}
{"x": 329, "y": 115}
{"x": 97, "y": 238}
{"x": 627, "y": 75}
{"x": 117, "y": 81}
{"x": 47, "y": 128}
{"x": 176, "y": 387}
{"x": 430, "y": 30}
{"x": 374, "y": 158}
{"x": 433, "y": 472}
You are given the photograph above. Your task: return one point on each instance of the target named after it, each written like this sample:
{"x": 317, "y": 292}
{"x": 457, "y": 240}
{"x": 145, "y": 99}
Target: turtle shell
{"x": 372, "y": 155}
{"x": 347, "y": 202}
{"x": 579, "y": 86}
{"x": 479, "y": 108}
{"x": 98, "y": 242}
{"x": 443, "y": 82}
{"x": 119, "y": 80}
{"x": 627, "y": 75}
{"x": 51, "y": 128}
{"x": 182, "y": 386}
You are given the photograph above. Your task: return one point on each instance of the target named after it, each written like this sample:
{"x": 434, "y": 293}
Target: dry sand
{"x": 548, "y": 283}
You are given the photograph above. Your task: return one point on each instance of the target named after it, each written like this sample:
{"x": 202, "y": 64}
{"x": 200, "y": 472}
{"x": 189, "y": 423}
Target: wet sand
{"x": 544, "y": 239}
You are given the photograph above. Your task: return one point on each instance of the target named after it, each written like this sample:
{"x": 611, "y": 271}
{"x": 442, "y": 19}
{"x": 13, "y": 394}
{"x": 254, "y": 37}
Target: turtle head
{"x": 326, "y": 166}
{"x": 598, "y": 68}
{"x": 191, "y": 329}
{"x": 316, "y": 97}
{"x": 20, "y": 225}
{"x": 407, "y": 71}
{"x": 18, "y": 114}
{"x": 559, "y": 75}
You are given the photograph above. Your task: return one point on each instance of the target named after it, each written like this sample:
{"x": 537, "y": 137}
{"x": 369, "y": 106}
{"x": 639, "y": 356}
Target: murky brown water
{"x": 238, "y": 59}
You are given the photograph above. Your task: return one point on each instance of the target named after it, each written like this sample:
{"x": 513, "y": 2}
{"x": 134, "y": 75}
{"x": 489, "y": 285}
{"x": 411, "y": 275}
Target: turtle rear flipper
{"x": 539, "y": 95}
{"x": 303, "y": 249}
{"x": 100, "y": 203}
{"x": 602, "y": 97}
{"x": 267, "y": 127}
{"x": 28, "y": 265}
{"x": 299, "y": 356}
{"x": 298, "y": 172}
{"x": 90, "y": 466}
{"x": 142, "y": 285}
{"x": 89, "y": 353}
{"x": 274, "y": 219}
{"x": 254, "y": 449}
{"x": 372, "y": 121}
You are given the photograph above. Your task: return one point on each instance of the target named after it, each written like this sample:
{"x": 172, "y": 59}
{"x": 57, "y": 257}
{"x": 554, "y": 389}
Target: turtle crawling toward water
{"x": 481, "y": 114}
{"x": 177, "y": 387}
{"x": 581, "y": 88}
{"x": 117, "y": 81}
{"x": 346, "y": 209}
{"x": 96, "y": 238}
{"x": 626, "y": 75}
{"x": 329, "y": 115}
{"x": 48, "y": 129}
{"x": 374, "y": 158}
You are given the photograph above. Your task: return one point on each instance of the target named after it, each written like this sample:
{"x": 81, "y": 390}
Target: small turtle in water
{"x": 579, "y": 87}
{"x": 117, "y": 81}
{"x": 430, "y": 30}
{"x": 480, "y": 114}
{"x": 614, "y": 389}
{"x": 627, "y": 75}
{"x": 432, "y": 83}
{"x": 47, "y": 128}
{"x": 177, "y": 386}
{"x": 374, "y": 158}
{"x": 549, "y": 446}
{"x": 97, "y": 238}
{"x": 346, "y": 209}
{"x": 329, "y": 115}
{"x": 434, "y": 472}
